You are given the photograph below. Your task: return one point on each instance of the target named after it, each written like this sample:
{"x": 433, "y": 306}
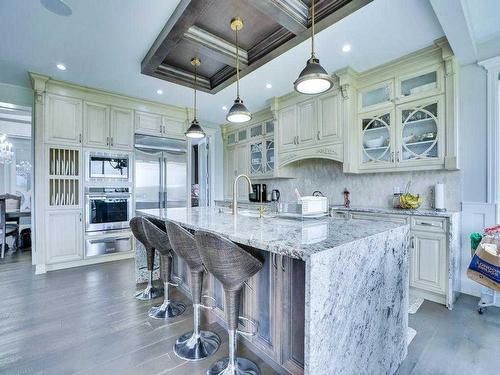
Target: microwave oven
{"x": 106, "y": 166}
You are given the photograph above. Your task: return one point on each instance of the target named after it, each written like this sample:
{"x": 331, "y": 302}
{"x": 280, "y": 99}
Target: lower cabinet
{"x": 428, "y": 261}
{"x": 64, "y": 235}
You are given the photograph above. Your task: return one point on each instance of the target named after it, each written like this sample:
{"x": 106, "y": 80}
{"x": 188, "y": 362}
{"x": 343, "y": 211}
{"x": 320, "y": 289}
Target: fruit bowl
{"x": 409, "y": 201}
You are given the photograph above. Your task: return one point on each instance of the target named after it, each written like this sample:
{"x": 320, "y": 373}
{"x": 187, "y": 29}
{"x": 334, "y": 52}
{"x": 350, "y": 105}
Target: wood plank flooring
{"x": 86, "y": 321}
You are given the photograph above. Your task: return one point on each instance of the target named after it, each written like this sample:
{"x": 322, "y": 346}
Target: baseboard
{"x": 90, "y": 261}
{"x": 430, "y": 296}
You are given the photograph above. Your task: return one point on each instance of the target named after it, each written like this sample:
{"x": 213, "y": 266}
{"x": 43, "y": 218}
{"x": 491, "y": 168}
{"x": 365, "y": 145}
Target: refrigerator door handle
{"x": 164, "y": 187}
{"x": 160, "y": 192}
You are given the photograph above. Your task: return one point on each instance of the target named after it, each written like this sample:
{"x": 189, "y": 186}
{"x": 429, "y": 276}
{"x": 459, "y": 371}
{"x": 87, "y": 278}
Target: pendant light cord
{"x": 195, "y": 82}
{"x": 237, "y": 66}
{"x": 312, "y": 29}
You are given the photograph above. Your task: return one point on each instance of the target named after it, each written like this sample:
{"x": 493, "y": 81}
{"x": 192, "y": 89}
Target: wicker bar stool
{"x": 150, "y": 292}
{"x": 156, "y": 234}
{"x": 197, "y": 344}
{"x": 232, "y": 266}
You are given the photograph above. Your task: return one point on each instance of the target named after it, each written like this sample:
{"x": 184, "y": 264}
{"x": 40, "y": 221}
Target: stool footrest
{"x": 205, "y": 306}
{"x": 253, "y": 323}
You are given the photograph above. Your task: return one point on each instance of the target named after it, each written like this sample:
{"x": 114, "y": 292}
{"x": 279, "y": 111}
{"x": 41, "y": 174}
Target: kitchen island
{"x": 354, "y": 286}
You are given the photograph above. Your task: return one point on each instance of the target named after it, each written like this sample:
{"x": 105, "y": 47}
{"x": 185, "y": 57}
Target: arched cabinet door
{"x": 377, "y": 140}
{"x": 420, "y": 135}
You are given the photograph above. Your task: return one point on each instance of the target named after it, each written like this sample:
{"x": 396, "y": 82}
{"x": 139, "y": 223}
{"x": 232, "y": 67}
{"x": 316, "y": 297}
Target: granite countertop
{"x": 396, "y": 211}
{"x": 294, "y": 238}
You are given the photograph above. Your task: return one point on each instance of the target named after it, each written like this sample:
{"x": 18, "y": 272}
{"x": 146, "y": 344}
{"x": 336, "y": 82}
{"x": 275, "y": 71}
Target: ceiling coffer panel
{"x": 201, "y": 28}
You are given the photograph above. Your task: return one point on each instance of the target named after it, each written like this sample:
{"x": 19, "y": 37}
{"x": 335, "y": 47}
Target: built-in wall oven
{"x": 108, "y": 166}
{"x": 107, "y": 208}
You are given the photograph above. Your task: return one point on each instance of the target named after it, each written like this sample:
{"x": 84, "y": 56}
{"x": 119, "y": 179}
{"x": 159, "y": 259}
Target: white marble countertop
{"x": 396, "y": 211}
{"x": 294, "y": 238}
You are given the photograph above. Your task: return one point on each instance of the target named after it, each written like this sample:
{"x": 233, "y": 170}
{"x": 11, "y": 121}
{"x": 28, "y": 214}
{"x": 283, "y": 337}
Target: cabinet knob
{"x": 112, "y": 143}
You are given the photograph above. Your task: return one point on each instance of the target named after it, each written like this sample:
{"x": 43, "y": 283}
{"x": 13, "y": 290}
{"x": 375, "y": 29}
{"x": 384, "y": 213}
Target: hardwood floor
{"x": 86, "y": 321}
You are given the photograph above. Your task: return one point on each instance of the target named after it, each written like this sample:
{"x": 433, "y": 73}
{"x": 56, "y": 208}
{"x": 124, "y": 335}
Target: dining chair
{"x": 8, "y": 229}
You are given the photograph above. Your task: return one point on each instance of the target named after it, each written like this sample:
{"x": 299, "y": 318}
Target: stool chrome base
{"x": 193, "y": 348}
{"x": 151, "y": 292}
{"x": 168, "y": 309}
{"x": 243, "y": 367}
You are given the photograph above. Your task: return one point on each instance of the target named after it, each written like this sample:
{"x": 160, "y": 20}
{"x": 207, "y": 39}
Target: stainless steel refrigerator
{"x": 160, "y": 172}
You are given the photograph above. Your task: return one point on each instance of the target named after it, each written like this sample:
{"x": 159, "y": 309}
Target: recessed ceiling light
{"x": 224, "y": 108}
{"x": 159, "y": 91}
{"x": 58, "y": 7}
{"x": 269, "y": 86}
{"x": 346, "y": 48}
{"x": 61, "y": 66}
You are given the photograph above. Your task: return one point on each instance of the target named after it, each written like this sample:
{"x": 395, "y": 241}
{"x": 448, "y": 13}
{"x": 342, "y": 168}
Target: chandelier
{"x": 6, "y": 152}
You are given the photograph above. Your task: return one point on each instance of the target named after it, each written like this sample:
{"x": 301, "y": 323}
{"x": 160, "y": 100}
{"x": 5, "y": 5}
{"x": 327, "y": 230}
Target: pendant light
{"x": 195, "y": 130}
{"x": 313, "y": 79}
{"x": 238, "y": 113}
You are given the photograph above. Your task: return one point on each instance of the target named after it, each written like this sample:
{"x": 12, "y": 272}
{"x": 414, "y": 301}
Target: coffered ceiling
{"x": 201, "y": 28}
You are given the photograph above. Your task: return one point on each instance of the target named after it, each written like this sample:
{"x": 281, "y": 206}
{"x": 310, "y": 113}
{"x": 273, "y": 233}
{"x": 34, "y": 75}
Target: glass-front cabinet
{"x": 376, "y": 96}
{"x": 421, "y": 131}
{"x": 419, "y": 85}
{"x": 377, "y": 145}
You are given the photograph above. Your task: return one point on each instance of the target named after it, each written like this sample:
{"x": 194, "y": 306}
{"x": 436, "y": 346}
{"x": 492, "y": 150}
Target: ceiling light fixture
{"x": 159, "y": 92}
{"x": 313, "y": 79}
{"x": 61, "y": 67}
{"x": 238, "y": 112}
{"x": 195, "y": 130}
{"x": 269, "y": 86}
{"x": 224, "y": 108}
{"x": 346, "y": 48}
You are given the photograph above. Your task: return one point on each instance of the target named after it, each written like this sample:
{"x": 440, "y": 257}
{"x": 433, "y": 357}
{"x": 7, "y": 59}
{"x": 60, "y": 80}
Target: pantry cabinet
{"x": 63, "y": 120}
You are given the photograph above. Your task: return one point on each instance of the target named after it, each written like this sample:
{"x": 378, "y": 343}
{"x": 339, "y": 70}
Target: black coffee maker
{"x": 258, "y": 193}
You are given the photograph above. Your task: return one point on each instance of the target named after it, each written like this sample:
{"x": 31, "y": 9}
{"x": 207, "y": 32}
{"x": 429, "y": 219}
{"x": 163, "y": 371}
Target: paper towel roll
{"x": 439, "y": 197}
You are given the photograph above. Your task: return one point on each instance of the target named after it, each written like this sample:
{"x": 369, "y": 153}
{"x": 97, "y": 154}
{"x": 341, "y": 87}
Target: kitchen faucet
{"x": 235, "y": 191}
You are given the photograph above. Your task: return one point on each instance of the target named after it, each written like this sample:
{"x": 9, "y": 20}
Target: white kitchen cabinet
{"x": 148, "y": 123}
{"x": 63, "y": 120}
{"x": 428, "y": 261}
{"x": 121, "y": 129}
{"x": 329, "y": 118}
{"x": 108, "y": 127}
{"x": 242, "y": 167}
{"x": 64, "y": 236}
{"x": 377, "y": 140}
{"x": 230, "y": 171}
{"x": 95, "y": 124}
{"x": 306, "y": 123}
{"x": 174, "y": 128}
{"x": 287, "y": 125}
{"x": 376, "y": 96}
{"x": 420, "y": 84}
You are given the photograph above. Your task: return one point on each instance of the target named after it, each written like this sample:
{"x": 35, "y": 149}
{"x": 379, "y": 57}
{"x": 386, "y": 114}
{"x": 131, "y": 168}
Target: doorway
{"x": 200, "y": 173}
{"x": 16, "y": 183}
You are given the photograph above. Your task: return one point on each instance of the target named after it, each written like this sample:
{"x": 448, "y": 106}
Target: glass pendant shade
{"x": 195, "y": 130}
{"x": 238, "y": 113}
{"x": 313, "y": 79}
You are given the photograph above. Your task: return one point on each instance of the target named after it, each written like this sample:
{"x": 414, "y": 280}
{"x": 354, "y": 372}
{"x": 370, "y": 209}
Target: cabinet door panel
{"x": 242, "y": 168}
{"x": 64, "y": 233}
{"x": 293, "y": 318}
{"x": 174, "y": 128}
{"x": 377, "y": 140}
{"x": 148, "y": 123}
{"x": 230, "y": 171}
{"x": 428, "y": 261}
{"x": 329, "y": 124}
{"x": 95, "y": 124}
{"x": 64, "y": 120}
{"x": 122, "y": 128}
{"x": 287, "y": 122}
{"x": 306, "y": 124}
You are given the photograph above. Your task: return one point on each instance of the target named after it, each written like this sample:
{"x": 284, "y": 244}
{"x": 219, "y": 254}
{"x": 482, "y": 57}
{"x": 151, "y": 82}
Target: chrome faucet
{"x": 235, "y": 191}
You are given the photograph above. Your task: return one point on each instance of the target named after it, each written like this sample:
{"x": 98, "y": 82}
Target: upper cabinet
{"x": 158, "y": 125}
{"x": 108, "y": 127}
{"x": 63, "y": 120}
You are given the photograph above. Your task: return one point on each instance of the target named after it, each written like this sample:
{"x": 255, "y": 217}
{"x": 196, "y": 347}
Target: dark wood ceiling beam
{"x": 215, "y": 47}
{"x": 291, "y": 14}
{"x": 184, "y": 16}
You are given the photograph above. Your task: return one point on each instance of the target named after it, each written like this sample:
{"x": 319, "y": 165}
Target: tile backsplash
{"x": 371, "y": 189}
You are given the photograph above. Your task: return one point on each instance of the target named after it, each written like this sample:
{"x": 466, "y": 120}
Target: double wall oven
{"x": 108, "y": 203}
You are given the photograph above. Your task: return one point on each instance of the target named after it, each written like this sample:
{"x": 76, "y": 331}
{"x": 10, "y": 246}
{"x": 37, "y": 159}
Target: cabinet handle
{"x": 107, "y": 141}
{"x": 397, "y": 156}
{"x": 283, "y": 263}
{"x": 429, "y": 224}
{"x": 80, "y": 216}
{"x": 80, "y": 138}
{"x": 392, "y": 156}
{"x": 273, "y": 260}
{"x": 112, "y": 141}
{"x": 298, "y": 140}
{"x": 319, "y": 135}
{"x": 412, "y": 242}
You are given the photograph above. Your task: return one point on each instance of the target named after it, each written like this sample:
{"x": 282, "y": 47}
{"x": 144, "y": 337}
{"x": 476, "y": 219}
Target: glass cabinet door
{"x": 256, "y": 130}
{"x": 420, "y": 84}
{"x": 269, "y": 155}
{"x": 231, "y": 138}
{"x": 376, "y": 96}
{"x": 257, "y": 157}
{"x": 376, "y": 139}
{"x": 419, "y": 137}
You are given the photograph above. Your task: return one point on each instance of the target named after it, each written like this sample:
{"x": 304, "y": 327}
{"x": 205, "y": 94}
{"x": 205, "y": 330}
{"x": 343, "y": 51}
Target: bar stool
{"x": 232, "y": 266}
{"x": 197, "y": 344}
{"x": 156, "y": 234}
{"x": 151, "y": 292}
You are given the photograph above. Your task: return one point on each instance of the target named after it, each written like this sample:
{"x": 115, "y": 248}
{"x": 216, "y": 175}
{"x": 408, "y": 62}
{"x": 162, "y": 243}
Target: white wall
{"x": 16, "y": 95}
